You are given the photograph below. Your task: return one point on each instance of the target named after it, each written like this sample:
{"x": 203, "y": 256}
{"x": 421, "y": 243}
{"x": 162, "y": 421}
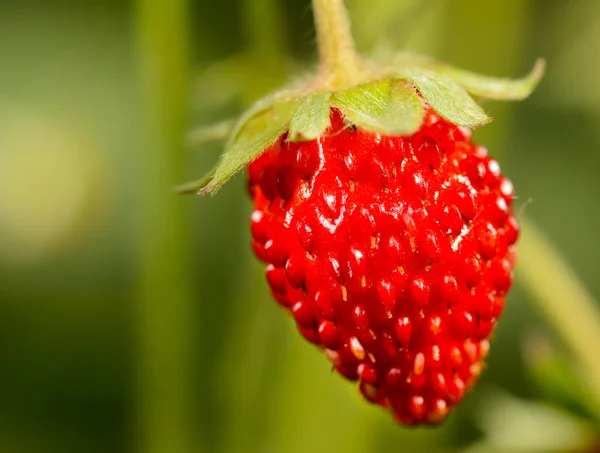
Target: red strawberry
{"x": 389, "y": 235}
{"x": 394, "y": 254}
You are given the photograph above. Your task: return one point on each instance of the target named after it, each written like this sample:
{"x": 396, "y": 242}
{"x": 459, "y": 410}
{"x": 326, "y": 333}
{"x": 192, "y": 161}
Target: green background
{"x": 134, "y": 320}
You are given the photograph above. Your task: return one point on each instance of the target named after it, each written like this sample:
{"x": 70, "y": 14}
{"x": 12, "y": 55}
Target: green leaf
{"x": 445, "y": 96}
{"x": 387, "y": 106}
{"x": 311, "y": 118}
{"x": 255, "y": 132}
{"x": 502, "y": 89}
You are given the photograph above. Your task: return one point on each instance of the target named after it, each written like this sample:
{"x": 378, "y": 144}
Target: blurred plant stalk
{"x": 563, "y": 299}
{"x": 163, "y": 313}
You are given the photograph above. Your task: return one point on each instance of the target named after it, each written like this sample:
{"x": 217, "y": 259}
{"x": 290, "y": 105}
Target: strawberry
{"x": 392, "y": 253}
{"x": 388, "y": 234}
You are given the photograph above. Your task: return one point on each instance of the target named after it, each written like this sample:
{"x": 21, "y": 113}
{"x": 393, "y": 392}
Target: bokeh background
{"x": 132, "y": 319}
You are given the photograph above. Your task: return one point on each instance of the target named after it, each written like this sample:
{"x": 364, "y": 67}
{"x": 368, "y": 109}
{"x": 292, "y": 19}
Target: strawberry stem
{"x": 340, "y": 65}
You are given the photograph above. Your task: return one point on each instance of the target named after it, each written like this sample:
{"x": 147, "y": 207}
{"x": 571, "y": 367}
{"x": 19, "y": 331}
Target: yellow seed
{"x": 484, "y": 348}
{"x": 475, "y": 369}
{"x": 439, "y": 413}
{"x": 419, "y": 363}
{"x": 357, "y": 348}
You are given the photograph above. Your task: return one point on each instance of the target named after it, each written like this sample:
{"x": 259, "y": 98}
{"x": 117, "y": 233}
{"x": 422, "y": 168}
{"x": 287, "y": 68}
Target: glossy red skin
{"x": 394, "y": 254}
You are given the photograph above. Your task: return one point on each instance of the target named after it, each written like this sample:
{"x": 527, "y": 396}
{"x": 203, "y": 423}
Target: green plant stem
{"x": 563, "y": 299}
{"x": 163, "y": 312}
{"x": 340, "y": 65}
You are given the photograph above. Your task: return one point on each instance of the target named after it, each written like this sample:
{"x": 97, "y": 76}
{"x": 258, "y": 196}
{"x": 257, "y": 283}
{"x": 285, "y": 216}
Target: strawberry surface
{"x": 394, "y": 254}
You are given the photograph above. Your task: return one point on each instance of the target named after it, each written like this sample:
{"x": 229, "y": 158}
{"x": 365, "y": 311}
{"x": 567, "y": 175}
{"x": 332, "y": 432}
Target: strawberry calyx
{"x": 387, "y": 98}
{"x": 390, "y": 102}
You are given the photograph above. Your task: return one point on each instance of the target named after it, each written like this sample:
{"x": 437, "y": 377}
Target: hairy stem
{"x": 339, "y": 62}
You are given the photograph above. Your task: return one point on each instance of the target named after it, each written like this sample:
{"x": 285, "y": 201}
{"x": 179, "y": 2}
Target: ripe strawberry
{"x": 392, "y": 253}
{"x": 388, "y": 234}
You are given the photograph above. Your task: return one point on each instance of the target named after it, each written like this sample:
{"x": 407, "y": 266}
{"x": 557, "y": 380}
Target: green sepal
{"x": 390, "y": 103}
{"x": 311, "y": 118}
{"x": 485, "y": 87}
{"x": 502, "y": 89}
{"x": 261, "y": 106}
{"x": 258, "y": 128}
{"x": 387, "y": 106}
{"x": 445, "y": 96}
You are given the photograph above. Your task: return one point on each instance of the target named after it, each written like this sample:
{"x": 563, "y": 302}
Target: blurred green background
{"x": 135, "y": 320}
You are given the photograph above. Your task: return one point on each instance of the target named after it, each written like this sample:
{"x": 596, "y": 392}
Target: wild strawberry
{"x": 392, "y": 253}
{"x": 388, "y": 235}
